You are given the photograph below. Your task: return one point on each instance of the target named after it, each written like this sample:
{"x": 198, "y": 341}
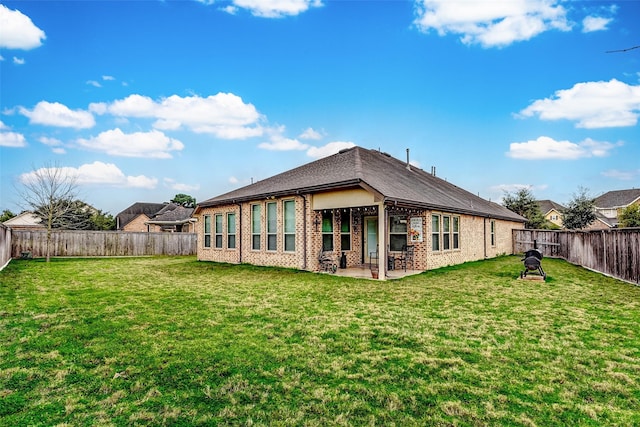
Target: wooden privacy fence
{"x": 101, "y": 243}
{"x": 614, "y": 252}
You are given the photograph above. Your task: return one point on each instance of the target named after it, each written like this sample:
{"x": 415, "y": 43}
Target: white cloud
{"x": 547, "y": 148}
{"x": 223, "y": 115}
{"x": 51, "y": 142}
{"x": 99, "y": 173}
{"x": 491, "y": 23}
{"x": 622, "y": 175}
{"x": 108, "y": 78}
{"x": 19, "y": 61}
{"x": 280, "y": 143}
{"x": 311, "y": 133}
{"x": 1, "y": 58}
{"x": 233, "y": 180}
{"x": 172, "y": 184}
{"x": 18, "y": 31}
{"x": 328, "y": 149}
{"x": 153, "y": 144}
{"x": 54, "y": 143}
{"x": 12, "y": 139}
{"x": 591, "y": 104}
{"x": 595, "y": 23}
{"x": 56, "y": 114}
{"x": 269, "y": 8}
{"x": 94, "y": 83}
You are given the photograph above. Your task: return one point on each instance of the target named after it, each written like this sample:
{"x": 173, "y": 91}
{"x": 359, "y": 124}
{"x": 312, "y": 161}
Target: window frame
{"x": 345, "y": 230}
{"x": 231, "y": 233}
{"x": 272, "y": 235}
{"x": 256, "y": 220}
{"x": 218, "y": 231}
{"x": 289, "y": 230}
{"x": 396, "y": 237}
{"x": 435, "y": 234}
{"x": 206, "y": 231}
{"x": 327, "y": 232}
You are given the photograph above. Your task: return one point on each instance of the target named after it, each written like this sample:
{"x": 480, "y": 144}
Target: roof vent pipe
{"x": 433, "y": 170}
{"x": 408, "y": 165}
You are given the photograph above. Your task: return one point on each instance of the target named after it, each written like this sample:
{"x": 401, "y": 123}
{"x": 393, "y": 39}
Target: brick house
{"x": 156, "y": 217}
{"x": 360, "y": 203}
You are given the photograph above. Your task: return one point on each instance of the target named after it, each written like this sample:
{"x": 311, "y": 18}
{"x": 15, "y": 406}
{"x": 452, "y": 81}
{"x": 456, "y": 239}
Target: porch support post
{"x": 382, "y": 242}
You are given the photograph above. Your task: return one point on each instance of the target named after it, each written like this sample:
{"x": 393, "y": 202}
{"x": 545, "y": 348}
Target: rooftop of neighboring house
{"x": 24, "y": 219}
{"x": 547, "y": 206}
{"x": 138, "y": 208}
{"x": 395, "y": 181}
{"x": 172, "y": 213}
{"x": 617, "y": 198}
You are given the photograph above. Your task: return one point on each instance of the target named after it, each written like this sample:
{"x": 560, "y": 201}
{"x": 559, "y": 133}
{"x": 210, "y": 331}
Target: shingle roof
{"x": 617, "y": 198}
{"x": 377, "y": 171}
{"x": 172, "y": 213}
{"x": 138, "y": 208}
{"x": 547, "y": 205}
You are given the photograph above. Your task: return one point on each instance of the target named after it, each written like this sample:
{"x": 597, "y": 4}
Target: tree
{"x": 630, "y": 216}
{"x": 103, "y": 221}
{"x": 184, "y": 200}
{"x": 49, "y": 192}
{"x": 524, "y": 203}
{"x": 580, "y": 211}
{"x": 6, "y": 215}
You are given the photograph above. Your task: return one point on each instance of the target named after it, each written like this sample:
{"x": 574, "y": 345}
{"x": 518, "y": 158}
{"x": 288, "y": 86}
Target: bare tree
{"x": 49, "y": 192}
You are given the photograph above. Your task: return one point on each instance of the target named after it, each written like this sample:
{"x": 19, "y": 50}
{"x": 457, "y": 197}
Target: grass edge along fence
{"x": 101, "y": 243}
{"x": 614, "y": 252}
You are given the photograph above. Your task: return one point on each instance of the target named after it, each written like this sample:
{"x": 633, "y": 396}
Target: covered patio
{"x": 364, "y": 272}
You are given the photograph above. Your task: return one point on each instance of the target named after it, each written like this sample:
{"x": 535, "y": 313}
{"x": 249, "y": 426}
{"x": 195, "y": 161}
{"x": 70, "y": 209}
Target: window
{"x": 435, "y": 232}
{"x": 256, "y": 217}
{"x": 218, "y": 231}
{"x": 446, "y": 232}
{"x": 327, "y": 231}
{"x": 493, "y": 233}
{"x": 231, "y": 231}
{"x": 345, "y": 230}
{"x": 272, "y": 226}
{"x": 456, "y": 232}
{"x": 207, "y": 231}
{"x": 397, "y": 232}
{"x": 289, "y": 225}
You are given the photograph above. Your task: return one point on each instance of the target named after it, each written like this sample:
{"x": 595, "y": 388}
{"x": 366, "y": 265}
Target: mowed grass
{"x": 173, "y": 341}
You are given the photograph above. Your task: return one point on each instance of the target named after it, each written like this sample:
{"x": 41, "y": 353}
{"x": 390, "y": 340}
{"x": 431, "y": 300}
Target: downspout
{"x": 240, "y": 233}
{"x": 484, "y": 230}
{"x": 304, "y": 231}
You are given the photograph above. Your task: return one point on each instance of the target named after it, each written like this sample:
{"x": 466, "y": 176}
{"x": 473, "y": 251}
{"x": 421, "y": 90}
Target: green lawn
{"x": 173, "y": 341}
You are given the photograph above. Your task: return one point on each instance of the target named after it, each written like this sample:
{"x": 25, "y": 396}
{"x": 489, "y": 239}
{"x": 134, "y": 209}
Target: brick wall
{"x": 474, "y": 237}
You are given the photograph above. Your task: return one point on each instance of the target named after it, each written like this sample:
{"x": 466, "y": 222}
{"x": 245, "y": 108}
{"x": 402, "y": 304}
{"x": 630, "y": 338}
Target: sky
{"x": 143, "y": 100}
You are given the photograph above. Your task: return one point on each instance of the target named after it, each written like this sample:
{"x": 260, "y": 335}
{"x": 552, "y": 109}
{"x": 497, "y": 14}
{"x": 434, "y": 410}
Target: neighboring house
{"x": 173, "y": 218}
{"x": 25, "y": 221}
{"x": 610, "y": 204}
{"x": 362, "y": 203}
{"x": 551, "y": 211}
{"x": 155, "y": 217}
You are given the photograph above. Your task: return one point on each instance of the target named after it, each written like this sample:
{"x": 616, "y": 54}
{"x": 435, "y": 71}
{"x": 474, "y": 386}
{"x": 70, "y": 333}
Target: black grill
{"x": 532, "y": 264}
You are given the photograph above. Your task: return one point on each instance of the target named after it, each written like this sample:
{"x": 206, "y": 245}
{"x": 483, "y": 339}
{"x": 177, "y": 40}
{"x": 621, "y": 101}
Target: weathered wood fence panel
{"x": 614, "y": 252}
{"x": 5, "y": 246}
{"x": 102, "y": 243}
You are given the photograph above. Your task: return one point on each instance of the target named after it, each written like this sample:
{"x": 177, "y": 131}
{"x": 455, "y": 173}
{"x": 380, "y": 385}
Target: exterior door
{"x": 370, "y": 237}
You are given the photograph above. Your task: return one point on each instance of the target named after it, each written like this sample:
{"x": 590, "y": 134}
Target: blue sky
{"x": 142, "y": 100}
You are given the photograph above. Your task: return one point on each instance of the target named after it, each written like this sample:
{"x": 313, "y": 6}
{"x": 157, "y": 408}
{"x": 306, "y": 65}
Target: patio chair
{"x": 406, "y": 257}
{"x": 327, "y": 261}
